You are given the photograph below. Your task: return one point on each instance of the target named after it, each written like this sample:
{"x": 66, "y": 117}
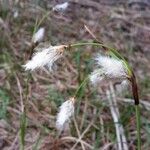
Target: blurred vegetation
{"x": 123, "y": 25}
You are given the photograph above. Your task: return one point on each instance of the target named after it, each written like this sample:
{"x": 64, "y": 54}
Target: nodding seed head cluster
{"x": 46, "y": 57}
{"x": 108, "y": 68}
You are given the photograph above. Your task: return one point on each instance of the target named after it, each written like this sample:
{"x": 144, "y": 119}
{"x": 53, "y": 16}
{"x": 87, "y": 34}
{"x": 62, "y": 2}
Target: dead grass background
{"x": 124, "y": 25}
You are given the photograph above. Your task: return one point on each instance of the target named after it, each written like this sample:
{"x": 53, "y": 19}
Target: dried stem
{"x": 96, "y": 39}
{"x": 121, "y": 139}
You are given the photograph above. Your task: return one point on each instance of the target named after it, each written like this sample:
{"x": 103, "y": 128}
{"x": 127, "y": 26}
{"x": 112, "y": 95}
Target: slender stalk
{"x": 80, "y": 86}
{"x": 137, "y": 109}
{"x": 41, "y": 20}
{"x": 23, "y": 124}
{"x": 23, "y": 117}
{"x": 109, "y": 50}
{"x": 85, "y": 43}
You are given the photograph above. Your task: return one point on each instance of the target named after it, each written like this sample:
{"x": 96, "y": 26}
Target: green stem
{"x": 40, "y": 22}
{"x": 88, "y": 43}
{"x": 137, "y": 109}
{"x": 80, "y": 86}
{"x": 23, "y": 118}
{"x": 23, "y": 124}
{"x": 109, "y": 50}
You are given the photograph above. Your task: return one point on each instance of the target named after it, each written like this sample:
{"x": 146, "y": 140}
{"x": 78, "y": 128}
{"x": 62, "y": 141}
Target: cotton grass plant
{"x": 66, "y": 111}
{"x": 110, "y": 66}
{"x": 45, "y": 57}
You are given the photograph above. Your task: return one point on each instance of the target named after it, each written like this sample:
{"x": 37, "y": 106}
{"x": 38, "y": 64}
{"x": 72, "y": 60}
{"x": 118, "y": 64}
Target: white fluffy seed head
{"x": 109, "y": 68}
{"x": 61, "y": 7}
{"x": 46, "y": 57}
{"x": 112, "y": 67}
{"x": 39, "y": 35}
{"x": 65, "y": 112}
{"x": 96, "y": 76}
{"x": 125, "y": 84}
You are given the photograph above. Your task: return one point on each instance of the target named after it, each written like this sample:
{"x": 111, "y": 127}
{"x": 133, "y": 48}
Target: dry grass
{"x": 120, "y": 25}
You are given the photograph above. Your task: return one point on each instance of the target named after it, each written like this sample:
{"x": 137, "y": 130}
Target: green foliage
{"x": 4, "y": 102}
{"x": 98, "y": 140}
{"x": 146, "y": 127}
{"x": 35, "y": 147}
{"x": 23, "y": 126}
{"x": 145, "y": 86}
{"x": 4, "y": 8}
{"x": 3, "y": 41}
{"x": 55, "y": 97}
{"x": 77, "y": 57}
{"x": 126, "y": 114}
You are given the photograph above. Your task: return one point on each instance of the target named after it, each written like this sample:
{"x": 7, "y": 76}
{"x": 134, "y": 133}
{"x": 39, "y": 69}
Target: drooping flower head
{"x": 45, "y": 57}
{"x": 108, "y": 68}
{"x": 65, "y": 112}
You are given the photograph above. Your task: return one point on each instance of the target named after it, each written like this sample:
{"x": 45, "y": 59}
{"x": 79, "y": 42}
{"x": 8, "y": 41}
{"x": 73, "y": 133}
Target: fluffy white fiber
{"x": 96, "y": 76}
{"x": 111, "y": 66}
{"x": 46, "y": 57}
{"x": 108, "y": 68}
{"x": 65, "y": 112}
{"x": 61, "y": 7}
{"x": 39, "y": 35}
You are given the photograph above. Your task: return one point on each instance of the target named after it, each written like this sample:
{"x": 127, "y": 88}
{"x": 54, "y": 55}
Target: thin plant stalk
{"x": 80, "y": 86}
{"x": 23, "y": 124}
{"x": 137, "y": 109}
{"x": 23, "y": 118}
{"x": 37, "y": 24}
{"x": 109, "y": 50}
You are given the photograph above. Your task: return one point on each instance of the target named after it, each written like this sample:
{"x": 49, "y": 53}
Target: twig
{"x": 76, "y": 140}
{"x": 115, "y": 118}
{"x": 79, "y": 139}
{"x": 96, "y": 39}
{"x": 78, "y": 132}
{"x": 143, "y": 103}
{"x": 122, "y": 135}
{"x": 106, "y": 146}
{"x": 84, "y": 114}
{"x": 91, "y": 33}
{"x": 121, "y": 139}
{"x": 14, "y": 142}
